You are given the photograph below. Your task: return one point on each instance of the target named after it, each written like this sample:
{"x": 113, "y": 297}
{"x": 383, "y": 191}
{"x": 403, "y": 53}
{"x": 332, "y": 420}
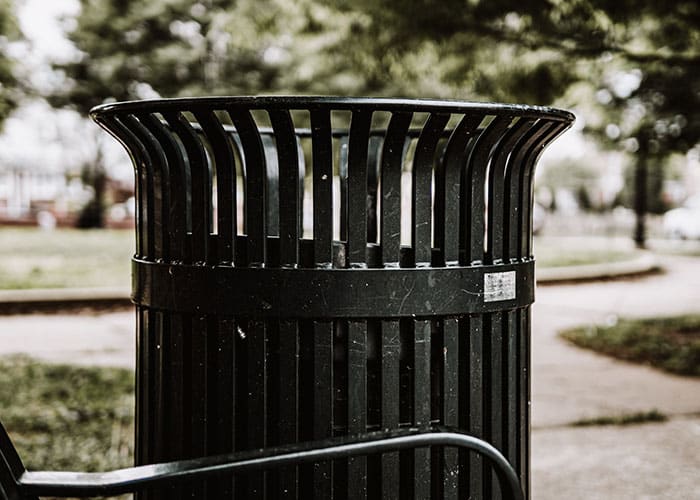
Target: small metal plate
{"x": 499, "y": 286}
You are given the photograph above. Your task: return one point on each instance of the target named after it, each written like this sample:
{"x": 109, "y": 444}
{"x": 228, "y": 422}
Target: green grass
{"x": 642, "y": 417}
{"x": 560, "y": 252}
{"x": 68, "y": 418}
{"x": 670, "y": 344}
{"x": 32, "y": 258}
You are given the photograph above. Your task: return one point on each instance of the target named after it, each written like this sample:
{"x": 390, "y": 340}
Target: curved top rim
{"x": 337, "y": 103}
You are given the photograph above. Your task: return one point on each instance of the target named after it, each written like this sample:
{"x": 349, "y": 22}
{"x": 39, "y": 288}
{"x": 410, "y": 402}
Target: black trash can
{"x": 315, "y": 267}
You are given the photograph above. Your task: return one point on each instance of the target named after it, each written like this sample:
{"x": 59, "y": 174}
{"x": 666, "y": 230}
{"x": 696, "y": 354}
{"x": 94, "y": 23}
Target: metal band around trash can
{"x": 332, "y": 293}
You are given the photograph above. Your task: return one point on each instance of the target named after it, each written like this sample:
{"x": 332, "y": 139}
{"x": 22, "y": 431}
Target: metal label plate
{"x": 499, "y": 286}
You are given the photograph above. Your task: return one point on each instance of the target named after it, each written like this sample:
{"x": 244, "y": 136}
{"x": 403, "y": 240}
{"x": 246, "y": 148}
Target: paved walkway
{"x": 650, "y": 461}
{"x": 644, "y": 461}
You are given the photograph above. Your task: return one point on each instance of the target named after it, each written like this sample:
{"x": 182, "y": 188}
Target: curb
{"x": 643, "y": 264}
{"x": 63, "y": 299}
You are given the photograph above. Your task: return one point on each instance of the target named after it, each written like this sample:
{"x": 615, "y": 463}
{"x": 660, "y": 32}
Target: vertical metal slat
{"x": 226, "y": 194}
{"x": 357, "y": 405}
{"x": 391, "y": 346}
{"x": 323, "y": 403}
{"x": 421, "y": 404}
{"x": 422, "y": 185}
{"x": 289, "y": 205}
{"x": 450, "y": 400}
{"x": 255, "y": 190}
{"x": 200, "y": 179}
{"x": 322, "y": 154}
{"x": 390, "y": 173}
{"x": 447, "y": 188}
{"x": 357, "y": 186}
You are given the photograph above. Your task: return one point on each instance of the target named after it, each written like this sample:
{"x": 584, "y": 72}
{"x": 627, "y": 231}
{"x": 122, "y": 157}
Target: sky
{"x": 61, "y": 133}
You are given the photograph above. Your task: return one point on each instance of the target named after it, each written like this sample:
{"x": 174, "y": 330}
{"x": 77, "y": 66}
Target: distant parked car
{"x": 684, "y": 222}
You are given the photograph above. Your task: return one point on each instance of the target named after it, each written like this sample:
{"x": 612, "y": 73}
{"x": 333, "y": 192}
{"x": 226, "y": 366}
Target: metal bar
{"x": 286, "y": 425}
{"x": 323, "y": 403}
{"x": 289, "y": 204}
{"x": 174, "y": 387}
{"x": 513, "y": 181}
{"x": 448, "y": 179}
{"x": 357, "y": 404}
{"x": 512, "y": 356}
{"x": 525, "y": 226}
{"x": 421, "y": 198}
{"x": 140, "y": 160}
{"x": 498, "y": 420}
{"x": 179, "y": 196}
{"x": 256, "y": 417}
{"x": 391, "y": 347}
{"x": 159, "y": 397}
{"x": 255, "y": 192}
{"x": 340, "y": 402}
{"x": 11, "y": 469}
{"x": 450, "y": 391}
{"x": 496, "y": 190}
{"x": 524, "y": 396}
{"x": 143, "y": 384}
{"x": 337, "y": 293}
{"x": 200, "y": 178}
{"x": 338, "y": 103}
{"x": 221, "y": 403}
{"x": 47, "y": 483}
{"x": 357, "y": 186}
{"x": 198, "y": 391}
{"x": 322, "y": 154}
{"x": 476, "y": 388}
{"x": 390, "y": 173}
{"x": 474, "y": 206}
{"x": 421, "y": 404}
{"x": 226, "y": 211}
{"x": 158, "y": 175}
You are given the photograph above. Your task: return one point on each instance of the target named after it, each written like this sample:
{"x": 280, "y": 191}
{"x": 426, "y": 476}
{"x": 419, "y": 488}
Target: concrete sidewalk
{"x": 568, "y": 384}
{"x": 659, "y": 461}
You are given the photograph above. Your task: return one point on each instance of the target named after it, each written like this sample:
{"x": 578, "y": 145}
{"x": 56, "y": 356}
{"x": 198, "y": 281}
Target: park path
{"x": 643, "y": 461}
{"x": 570, "y": 383}
{"x": 648, "y": 461}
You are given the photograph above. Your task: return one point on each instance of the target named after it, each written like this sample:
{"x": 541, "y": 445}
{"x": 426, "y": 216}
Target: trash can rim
{"x": 335, "y": 103}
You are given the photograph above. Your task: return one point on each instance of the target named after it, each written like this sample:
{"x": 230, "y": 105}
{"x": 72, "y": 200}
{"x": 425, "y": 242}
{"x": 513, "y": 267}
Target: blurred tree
{"x": 641, "y": 58}
{"x": 631, "y": 68}
{"x": 134, "y": 49}
{"x": 9, "y": 86}
{"x": 638, "y": 59}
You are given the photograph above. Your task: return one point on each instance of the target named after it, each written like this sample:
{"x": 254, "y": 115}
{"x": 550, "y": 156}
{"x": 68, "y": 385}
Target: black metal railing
{"x": 18, "y": 484}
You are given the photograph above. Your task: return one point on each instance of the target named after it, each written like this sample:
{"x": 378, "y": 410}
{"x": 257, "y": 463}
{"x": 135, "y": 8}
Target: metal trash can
{"x": 314, "y": 267}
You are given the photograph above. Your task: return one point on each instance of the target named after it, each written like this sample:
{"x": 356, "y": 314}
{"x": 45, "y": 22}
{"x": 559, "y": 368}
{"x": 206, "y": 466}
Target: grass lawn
{"x": 670, "y": 344}
{"x": 32, "y": 258}
{"x": 68, "y": 418}
{"x": 560, "y": 252}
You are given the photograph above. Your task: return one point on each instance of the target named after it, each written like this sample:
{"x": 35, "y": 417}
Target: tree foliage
{"x": 135, "y": 48}
{"x": 640, "y": 60}
{"x": 8, "y": 83}
{"x": 631, "y": 67}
